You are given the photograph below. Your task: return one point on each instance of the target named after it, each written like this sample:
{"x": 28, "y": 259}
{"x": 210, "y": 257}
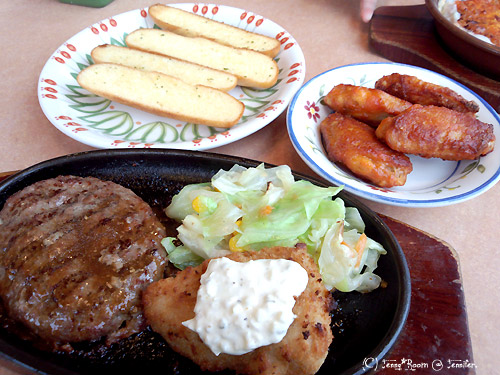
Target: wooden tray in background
{"x": 436, "y": 332}
{"x": 407, "y": 34}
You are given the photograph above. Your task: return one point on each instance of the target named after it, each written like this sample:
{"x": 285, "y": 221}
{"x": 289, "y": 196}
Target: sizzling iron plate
{"x": 364, "y": 325}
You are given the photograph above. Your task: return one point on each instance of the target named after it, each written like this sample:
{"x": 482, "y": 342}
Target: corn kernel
{"x": 232, "y": 245}
{"x": 197, "y": 206}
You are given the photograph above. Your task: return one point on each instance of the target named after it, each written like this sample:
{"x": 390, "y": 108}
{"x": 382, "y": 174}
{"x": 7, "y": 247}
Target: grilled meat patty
{"x": 75, "y": 255}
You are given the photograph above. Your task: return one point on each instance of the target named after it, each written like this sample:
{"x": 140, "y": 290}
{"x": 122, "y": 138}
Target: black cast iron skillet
{"x": 365, "y": 326}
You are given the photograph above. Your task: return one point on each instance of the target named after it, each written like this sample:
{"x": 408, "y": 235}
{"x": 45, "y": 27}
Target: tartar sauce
{"x": 243, "y": 306}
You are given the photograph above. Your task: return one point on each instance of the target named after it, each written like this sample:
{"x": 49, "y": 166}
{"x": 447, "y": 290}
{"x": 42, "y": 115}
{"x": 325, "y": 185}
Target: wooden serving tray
{"x": 436, "y": 335}
{"x": 407, "y": 34}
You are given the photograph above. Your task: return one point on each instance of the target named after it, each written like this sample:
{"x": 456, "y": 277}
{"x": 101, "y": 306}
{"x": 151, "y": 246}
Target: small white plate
{"x": 101, "y": 123}
{"x": 433, "y": 182}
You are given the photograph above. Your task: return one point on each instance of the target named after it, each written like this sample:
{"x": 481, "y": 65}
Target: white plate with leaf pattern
{"x": 101, "y": 123}
{"x": 433, "y": 182}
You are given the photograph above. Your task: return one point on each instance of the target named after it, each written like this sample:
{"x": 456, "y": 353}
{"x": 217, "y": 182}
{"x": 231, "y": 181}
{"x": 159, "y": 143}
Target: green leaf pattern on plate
{"x": 117, "y": 123}
{"x": 475, "y": 165}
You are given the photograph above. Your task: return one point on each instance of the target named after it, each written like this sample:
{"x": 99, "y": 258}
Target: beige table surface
{"x": 331, "y": 34}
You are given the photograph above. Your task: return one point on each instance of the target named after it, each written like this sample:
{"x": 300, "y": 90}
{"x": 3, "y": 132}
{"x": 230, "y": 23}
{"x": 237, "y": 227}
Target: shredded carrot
{"x": 266, "y": 210}
{"x": 360, "y": 248}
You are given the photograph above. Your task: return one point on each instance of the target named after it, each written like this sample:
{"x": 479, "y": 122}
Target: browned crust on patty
{"x": 76, "y": 255}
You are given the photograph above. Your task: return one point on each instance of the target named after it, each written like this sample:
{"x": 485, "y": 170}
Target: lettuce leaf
{"x": 251, "y": 208}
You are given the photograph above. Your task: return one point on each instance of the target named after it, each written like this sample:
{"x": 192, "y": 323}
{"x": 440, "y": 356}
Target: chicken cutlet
{"x": 355, "y": 145}
{"x": 439, "y": 132}
{"x": 416, "y": 91}
{"x": 482, "y": 17}
{"x": 364, "y": 104}
{"x": 171, "y": 301}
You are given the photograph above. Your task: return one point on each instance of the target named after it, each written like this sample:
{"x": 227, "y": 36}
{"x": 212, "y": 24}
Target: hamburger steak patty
{"x": 75, "y": 255}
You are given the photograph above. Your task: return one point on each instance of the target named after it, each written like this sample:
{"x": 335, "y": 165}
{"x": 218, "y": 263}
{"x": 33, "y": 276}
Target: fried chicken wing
{"x": 416, "y": 91}
{"x": 364, "y": 104}
{"x": 355, "y": 145}
{"x": 171, "y": 301}
{"x": 439, "y": 132}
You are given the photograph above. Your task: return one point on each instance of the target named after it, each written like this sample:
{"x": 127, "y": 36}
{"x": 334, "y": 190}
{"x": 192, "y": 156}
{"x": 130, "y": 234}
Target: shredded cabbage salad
{"x": 251, "y": 208}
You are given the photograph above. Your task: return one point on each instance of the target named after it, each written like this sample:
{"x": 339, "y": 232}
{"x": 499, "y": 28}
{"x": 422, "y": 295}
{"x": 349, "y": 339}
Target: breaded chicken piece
{"x": 481, "y": 17}
{"x": 439, "y": 132}
{"x": 416, "y": 91}
{"x": 364, "y": 104}
{"x": 171, "y": 301}
{"x": 355, "y": 145}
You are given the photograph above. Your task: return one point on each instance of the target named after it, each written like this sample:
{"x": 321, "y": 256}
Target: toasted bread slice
{"x": 190, "y": 73}
{"x": 188, "y": 24}
{"x": 253, "y": 69}
{"x": 162, "y": 95}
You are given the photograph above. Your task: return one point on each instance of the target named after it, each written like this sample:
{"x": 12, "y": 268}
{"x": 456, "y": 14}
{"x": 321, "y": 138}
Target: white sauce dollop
{"x": 243, "y": 306}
